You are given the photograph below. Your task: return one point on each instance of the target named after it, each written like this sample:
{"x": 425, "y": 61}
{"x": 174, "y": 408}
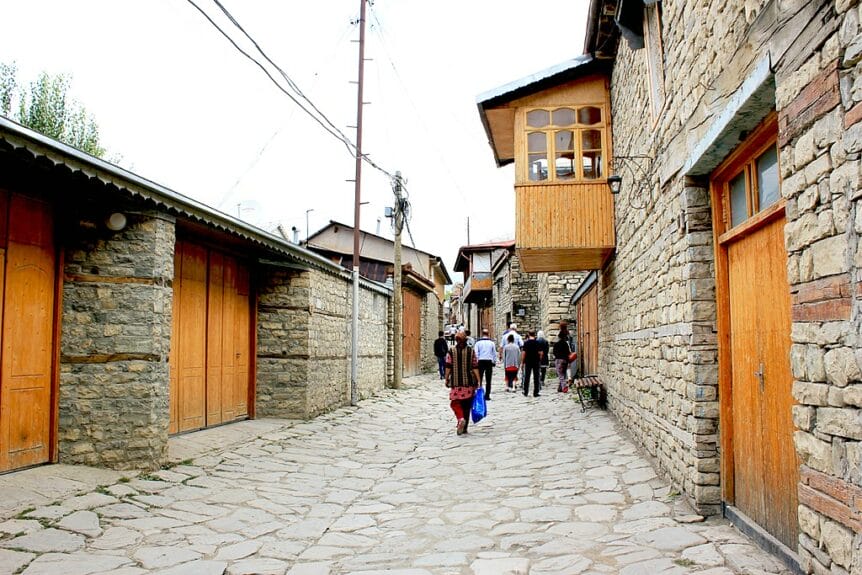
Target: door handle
{"x": 759, "y": 375}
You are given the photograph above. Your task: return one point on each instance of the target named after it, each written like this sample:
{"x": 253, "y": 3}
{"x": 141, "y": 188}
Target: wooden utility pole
{"x": 354, "y": 348}
{"x": 398, "y": 312}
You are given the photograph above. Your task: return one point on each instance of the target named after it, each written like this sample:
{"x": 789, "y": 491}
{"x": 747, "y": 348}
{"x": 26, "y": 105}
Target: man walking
{"x": 441, "y": 348}
{"x": 513, "y": 330}
{"x": 486, "y": 352}
{"x": 531, "y": 357}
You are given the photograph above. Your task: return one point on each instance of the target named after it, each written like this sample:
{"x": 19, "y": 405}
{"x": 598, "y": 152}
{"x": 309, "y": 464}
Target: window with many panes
{"x": 565, "y": 143}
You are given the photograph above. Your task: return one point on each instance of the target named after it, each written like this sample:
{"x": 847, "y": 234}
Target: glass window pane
{"x": 589, "y": 115}
{"x": 538, "y": 167}
{"x": 767, "y": 178}
{"x": 538, "y": 118}
{"x": 564, "y": 141}
{"x": 565, "y": 165}
{"x": 537, "y": 142}
{"x": 591, "y": 139}
{"x": 564, "y": 117}
{"x": 738, "y": 204}
{"x": 592, "y": 164}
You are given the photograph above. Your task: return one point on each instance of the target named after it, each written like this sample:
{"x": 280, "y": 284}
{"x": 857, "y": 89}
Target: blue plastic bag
{"x": 479, "y": 410}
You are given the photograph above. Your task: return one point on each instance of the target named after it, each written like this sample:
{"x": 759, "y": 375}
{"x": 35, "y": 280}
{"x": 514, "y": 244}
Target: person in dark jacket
{"x": 441, "y": 348}
{"x": 531, "y": 357}
{"x": 561, "y": 361}
{"x": 544, "y": 347}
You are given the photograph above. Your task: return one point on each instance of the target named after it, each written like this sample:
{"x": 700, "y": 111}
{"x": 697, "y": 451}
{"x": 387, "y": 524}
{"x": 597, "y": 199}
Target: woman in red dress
{"x": 462, "y": 376}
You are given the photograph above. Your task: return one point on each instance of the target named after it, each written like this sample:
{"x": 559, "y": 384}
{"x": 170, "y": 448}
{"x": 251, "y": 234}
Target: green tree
{"x": 47, "y": 108}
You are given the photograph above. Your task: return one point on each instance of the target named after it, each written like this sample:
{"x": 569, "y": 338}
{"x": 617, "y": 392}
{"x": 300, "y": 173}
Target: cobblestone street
{"x": 537, "y": 488}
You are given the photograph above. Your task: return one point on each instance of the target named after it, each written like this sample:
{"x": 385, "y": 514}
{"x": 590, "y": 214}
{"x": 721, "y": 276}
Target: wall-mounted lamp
{"x": 615, "y": 182}
{"x": 116, "y": 222}
{"x": 639, "y": 170}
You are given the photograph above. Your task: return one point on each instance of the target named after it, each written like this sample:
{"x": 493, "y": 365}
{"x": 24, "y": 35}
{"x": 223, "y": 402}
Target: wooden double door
{"x": 210, "y": 359}
{"x": 28, "y": 311}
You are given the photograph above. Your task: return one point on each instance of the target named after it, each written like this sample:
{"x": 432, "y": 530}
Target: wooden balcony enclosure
{"x": 564, "y": 226}
{"x": 478, "y": 287}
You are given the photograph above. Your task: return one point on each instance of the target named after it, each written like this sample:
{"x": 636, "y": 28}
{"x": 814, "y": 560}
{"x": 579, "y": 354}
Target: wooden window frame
{"x": 743, "y": 160}
{"x": 523, "y": 173}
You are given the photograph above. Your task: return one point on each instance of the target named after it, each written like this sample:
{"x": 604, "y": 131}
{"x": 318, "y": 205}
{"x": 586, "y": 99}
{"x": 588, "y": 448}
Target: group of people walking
{"x": 468, "y": 362}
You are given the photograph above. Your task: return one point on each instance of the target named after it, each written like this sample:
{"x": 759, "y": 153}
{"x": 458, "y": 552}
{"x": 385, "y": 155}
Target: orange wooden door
{"x": 241, "y": 336}
{"x": 228, "y": 349}
{"x": 588, "y": 331}
{"x": 28, "y": 289}
{"x": 188, "y": 349}
{"x": 210, "y": 353}
{"x": 411, "y": 339}
{"x": 765, "y": 468}
{"x": 219, "y": 306}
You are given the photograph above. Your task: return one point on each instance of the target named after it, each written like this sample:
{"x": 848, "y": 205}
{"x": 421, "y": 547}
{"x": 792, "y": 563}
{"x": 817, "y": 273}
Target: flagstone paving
{"x": 538, "y": 488}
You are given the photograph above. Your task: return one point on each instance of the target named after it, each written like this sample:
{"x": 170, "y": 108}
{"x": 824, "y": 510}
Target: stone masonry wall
{"x": 502, "y": 296}
{"x": 658, "y": 350}
{"x": 115, "y": 338}
{"x": 304, "y": 320}
{"x": 525, "y": 294}
{"x": 432, "y": 322}
{"x": 819, "y": 105}
{"x": 555, "y": 295}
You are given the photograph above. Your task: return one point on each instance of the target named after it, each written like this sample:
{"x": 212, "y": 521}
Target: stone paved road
{"x": 538, "y": 488}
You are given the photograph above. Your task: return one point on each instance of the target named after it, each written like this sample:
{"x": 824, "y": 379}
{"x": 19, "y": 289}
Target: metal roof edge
{"x": 513, "y": 89}
{"x": 76, "y": 160}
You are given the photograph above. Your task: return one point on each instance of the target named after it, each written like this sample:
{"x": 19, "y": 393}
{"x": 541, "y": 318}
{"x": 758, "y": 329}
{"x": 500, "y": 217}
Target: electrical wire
{"x": 351, "y": 147}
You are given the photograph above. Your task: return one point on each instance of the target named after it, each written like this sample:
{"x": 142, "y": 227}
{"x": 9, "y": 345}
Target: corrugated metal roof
{"x": 41, "y": 146}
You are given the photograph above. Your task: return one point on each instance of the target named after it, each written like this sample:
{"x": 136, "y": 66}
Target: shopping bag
{"x": 479, "y": 410}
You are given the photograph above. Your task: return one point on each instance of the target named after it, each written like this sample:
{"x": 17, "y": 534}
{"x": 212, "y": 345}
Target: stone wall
{"x": 303, "y": 355}
{"x": 658, "y": 348}
{"x": 515, "y": 289}
{"x": 820, "y": 134}
{"x": 432, "y": 322}
{"x": 555, "y": 296}
{"x": 115, "y": 339}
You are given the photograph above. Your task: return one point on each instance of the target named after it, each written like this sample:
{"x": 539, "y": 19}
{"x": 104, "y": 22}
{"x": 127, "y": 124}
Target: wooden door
{"x": 411, "y": 338}
{"x": 210, "y": 350}
{"x": 188, "y": 349}
{"x": 27, "y": 281}
{"x": 759, "y": 467}
{"x": 765, "y": 467}
{"x": 588, "y": 331}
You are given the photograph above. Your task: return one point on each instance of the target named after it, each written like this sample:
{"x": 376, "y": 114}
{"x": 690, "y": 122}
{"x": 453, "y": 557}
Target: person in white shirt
{"x": 486, "y": 353}
{"x": 513, "y": 329}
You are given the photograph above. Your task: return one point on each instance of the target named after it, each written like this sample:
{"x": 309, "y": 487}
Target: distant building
{"x": 424, "y": 281}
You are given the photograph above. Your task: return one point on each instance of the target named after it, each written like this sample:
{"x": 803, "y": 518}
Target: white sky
{"x": 185, "y": 109}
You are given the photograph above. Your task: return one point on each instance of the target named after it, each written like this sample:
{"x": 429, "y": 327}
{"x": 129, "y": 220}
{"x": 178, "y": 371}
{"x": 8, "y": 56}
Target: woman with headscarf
{"x": 462, "y": 378}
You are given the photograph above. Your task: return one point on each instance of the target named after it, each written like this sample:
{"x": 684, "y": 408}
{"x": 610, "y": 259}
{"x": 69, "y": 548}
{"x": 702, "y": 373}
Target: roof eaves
{"x": 39, "y": 145}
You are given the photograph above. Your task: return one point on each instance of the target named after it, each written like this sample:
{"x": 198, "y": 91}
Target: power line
{"x": 347, "y": 143}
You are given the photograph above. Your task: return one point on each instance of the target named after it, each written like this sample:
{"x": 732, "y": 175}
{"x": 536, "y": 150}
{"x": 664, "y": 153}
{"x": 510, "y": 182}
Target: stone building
{"x": 131, "y": 312}
{"x": 727, "y": 262}
{"x": 477, "y": 295}
{"x": 424, "y": 281}
{"x": 537, "y": 301}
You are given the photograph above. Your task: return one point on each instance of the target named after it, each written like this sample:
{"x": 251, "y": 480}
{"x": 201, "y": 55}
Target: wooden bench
{"x": 591, "y": 391}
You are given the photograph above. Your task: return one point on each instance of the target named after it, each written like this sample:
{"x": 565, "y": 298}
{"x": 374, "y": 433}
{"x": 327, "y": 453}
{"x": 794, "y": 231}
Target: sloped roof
{"x": 498, "y": 120}
{"x": 38, "y": 149}
{"x": 462, "y": 259}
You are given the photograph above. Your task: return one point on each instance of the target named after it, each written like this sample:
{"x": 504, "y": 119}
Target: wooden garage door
{"x": 27, "y": 282}
{"x": 211, "y": 339}
{"x": 412, "y": 338}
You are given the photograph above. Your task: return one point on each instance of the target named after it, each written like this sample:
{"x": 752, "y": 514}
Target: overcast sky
{"x": 185, "y": 109}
